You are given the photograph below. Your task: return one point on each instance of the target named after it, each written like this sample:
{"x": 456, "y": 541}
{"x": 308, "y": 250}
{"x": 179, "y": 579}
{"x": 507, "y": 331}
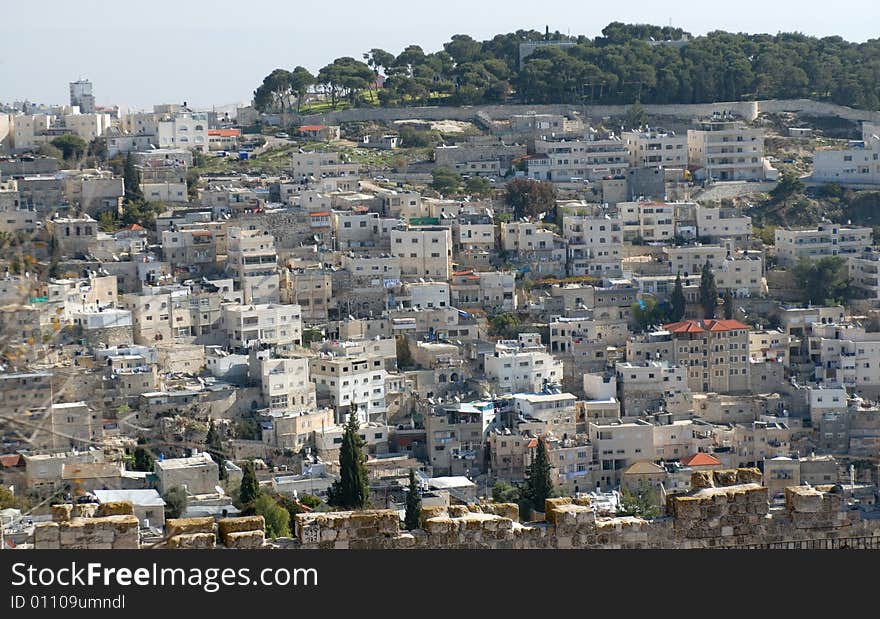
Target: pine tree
{"x": 728, "y": 305}
{"x": 352, "y": 490}
{"x": 708, "y": 291}
{"x": 677, "y": 300}
{"x": 250, "y": 487}
{"x": 539, "y": 485}
{"x": 143, "y": 460}
{"x": 413, "y": 504}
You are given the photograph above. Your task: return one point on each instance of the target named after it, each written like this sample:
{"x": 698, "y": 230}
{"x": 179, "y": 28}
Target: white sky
{"x": 216, "y": 52}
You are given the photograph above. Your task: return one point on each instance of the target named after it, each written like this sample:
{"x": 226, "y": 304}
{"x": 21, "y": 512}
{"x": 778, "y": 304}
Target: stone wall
{"x": 726, "y": 509}
{"x": 113, "y": 526}
{"x": 746, "y": 109}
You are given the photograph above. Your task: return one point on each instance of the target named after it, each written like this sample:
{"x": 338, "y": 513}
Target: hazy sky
{"x": 217, "y": 52}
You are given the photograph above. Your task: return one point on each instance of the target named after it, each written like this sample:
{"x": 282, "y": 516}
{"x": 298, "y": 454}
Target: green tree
{"x": 9, "y": 500}
{"x": 413, "y": 504}
{"x": 708, "y": 291}
{"x": 478, "y": 186}
{"x": 277, "y": 517}
{"x": 311, "y": 335}
{"x": 250, "y": 487}
{"x": 351, "y": 490}
{"x": 175, "y": 502}
{"x": 506, "y": 326}
{"x": 529, "y": 198}
{"x": 345, "y": 78}
{"x": 404, "y": 356}
{"x": 214, "y": 442}
{"x": 505, "y": 492}
{"x": 677, "y": 300}
{"x": 71, "y": 146}
{"x": 445, "y": 181}
{"x": 636, "y": 116}
{"x": 301, "y": 80}
{"x": 727, "y": 297}
{"x": 789, "y": 184}
{"x": 647, "y": 312}
{"x": 106, "y": 222}
{"x": 641, "y": 504}
{"x": 131, "y": 181}
{"x": 275, "y": 93}
{"x": 822, "y": 281}
{"x": 539, "y": 483}
{"x": 143, "y": 460}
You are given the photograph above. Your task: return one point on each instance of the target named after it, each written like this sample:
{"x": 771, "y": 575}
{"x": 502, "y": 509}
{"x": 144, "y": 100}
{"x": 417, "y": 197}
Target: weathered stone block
{"x": 46, "y": 533}
{"x": 726, "y": 477}
{"x": 192, "y": 540}
{"x": 115, "y": 508}
{"x": 84, "y": 510}
{"x": 228, "y": 526}
{"x": 749, "y": 476}
{"x": 702, "y": 479}
{"x": 245, "y": 539}
{"x": 181, "y": 526}
{"x": 62, "y": 512}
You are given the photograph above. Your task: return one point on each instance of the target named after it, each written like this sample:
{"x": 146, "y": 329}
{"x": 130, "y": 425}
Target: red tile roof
{"x": 10, "y": 460}
{"x": 696, "y": 326}
{"x": 532, "y": 444}
{"x": 312, "y": 127}
{"x": 701, "y": 459}
{"x": 224, "y": 133}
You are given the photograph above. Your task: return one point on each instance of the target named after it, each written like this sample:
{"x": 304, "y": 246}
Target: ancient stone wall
{"x": 727, "y": 509}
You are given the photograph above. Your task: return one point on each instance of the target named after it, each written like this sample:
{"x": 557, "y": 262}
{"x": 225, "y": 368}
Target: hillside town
{"x": 296, "y": 309}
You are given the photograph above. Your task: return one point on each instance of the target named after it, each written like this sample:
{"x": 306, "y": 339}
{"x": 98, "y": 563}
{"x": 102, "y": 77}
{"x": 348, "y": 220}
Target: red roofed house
{"x": 324, "y": 133}
{"x": 715, "y": 353}
{"x": 702, "y": 461}
{"x": 223, "y": 139}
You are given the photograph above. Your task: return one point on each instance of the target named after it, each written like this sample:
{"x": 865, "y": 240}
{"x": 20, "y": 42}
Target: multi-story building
{"x": 189, "y": 248}
{"x": 578, "y": 160}
{"x": 424, "y": 251}
{"x": 540, "y": 250}
{"x": 284, "y": 382}
{"x": 305, "y": 165}
{"x": 864, "y": 272}
{"x": 715, "y": 354}
{"x": 647, "y": 221}
{"x": 656, "y": 149}
{"x": 846, "y": 355}
{"x": 269, "y": 324}
{"x": 349, "y": 384}
{"x": 309, "y": 287}
{"x": 523, "y": 365}
{"x": 253, "y": 263}
{"x": 726, "y": 150}
{"x": 81, "y": 96}
{"x": 740, "y": 271}
{"x": 184, "y": 129}
{"x": 821, "y": 241}
{"x": 617, "y": 445}
{"x": 456, "y": 436}
{"x": 595, "y": 244}
{"x": 715, "y": 223}
{"x": 858, "y": 164}
{"x": 295, "y": 430}
{"x": 494, "y": 291}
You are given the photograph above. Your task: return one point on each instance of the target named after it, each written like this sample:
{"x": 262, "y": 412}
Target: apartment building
{"x": 295, "y": 430}
{"x": 823, "y": 240}
{"x": 189, "y": 248}
{"x": 371, "y": 269}
{"x": 578, "y": 160}
{"x": 647, "y": 221}
{"x": 330, "y": 164}
{"x": 595, "y": 244}
{"x": 858, "y": 164}
{"x": 740, "y": 271}
{"x": 864, "y": 272}
{"x": 724, "y": 150}
{"x": 269, "y": 324}
{"x": 715, "y": 354}
{"x": 252, "y": 261}
{"x": 617, "y": 445}
{"x": 424, "y": 251}
{"x": 456, "y": 436}
{"x": 494, "y": 291}
{"x": 644, "y": 386}
{"x": 184, "y": 129}
{"x": 284, "y": 382}
{"x": 522, "y": 365}
{"x": 350, "y": 383}
{"x": 656, "y": 149}
{"x": 847, "y": 355}
{"x": 311, "y": 288}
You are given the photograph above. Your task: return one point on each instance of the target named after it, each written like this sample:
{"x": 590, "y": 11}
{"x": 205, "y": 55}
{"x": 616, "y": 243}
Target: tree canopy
{"x": 708, "y": 291}
{"x": 539, "y": 483}
{"x": 825, "y": 280}
{"x": 529, "y": 198}
{"x": 622, "y": 66}
{"x": 351, "y": 490}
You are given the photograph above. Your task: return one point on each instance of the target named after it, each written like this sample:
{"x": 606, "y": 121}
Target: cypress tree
{"x": 677, "y": 300}
{"x": 215, "y": 448}
{"x": 413, "y": 504}
{"x": 708, "y": 291}
{"x": 728, "y": 305}
{"x": 250, "y": 487}
{"x": 352, "y": 490}
{"x": 539, "y": 485}
{"x": 131, "y": 180}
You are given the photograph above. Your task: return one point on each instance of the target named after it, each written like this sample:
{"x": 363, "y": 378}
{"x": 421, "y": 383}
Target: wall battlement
{"x": 726, "y": 509}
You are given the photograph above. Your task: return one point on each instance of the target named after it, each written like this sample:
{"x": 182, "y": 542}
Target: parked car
{"x": 282, "y": 136}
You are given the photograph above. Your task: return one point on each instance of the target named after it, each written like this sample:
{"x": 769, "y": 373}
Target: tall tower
{"x": 81, "y": 95}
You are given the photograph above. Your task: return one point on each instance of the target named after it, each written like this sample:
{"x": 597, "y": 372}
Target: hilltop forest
{"x": 627, "y": 63}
